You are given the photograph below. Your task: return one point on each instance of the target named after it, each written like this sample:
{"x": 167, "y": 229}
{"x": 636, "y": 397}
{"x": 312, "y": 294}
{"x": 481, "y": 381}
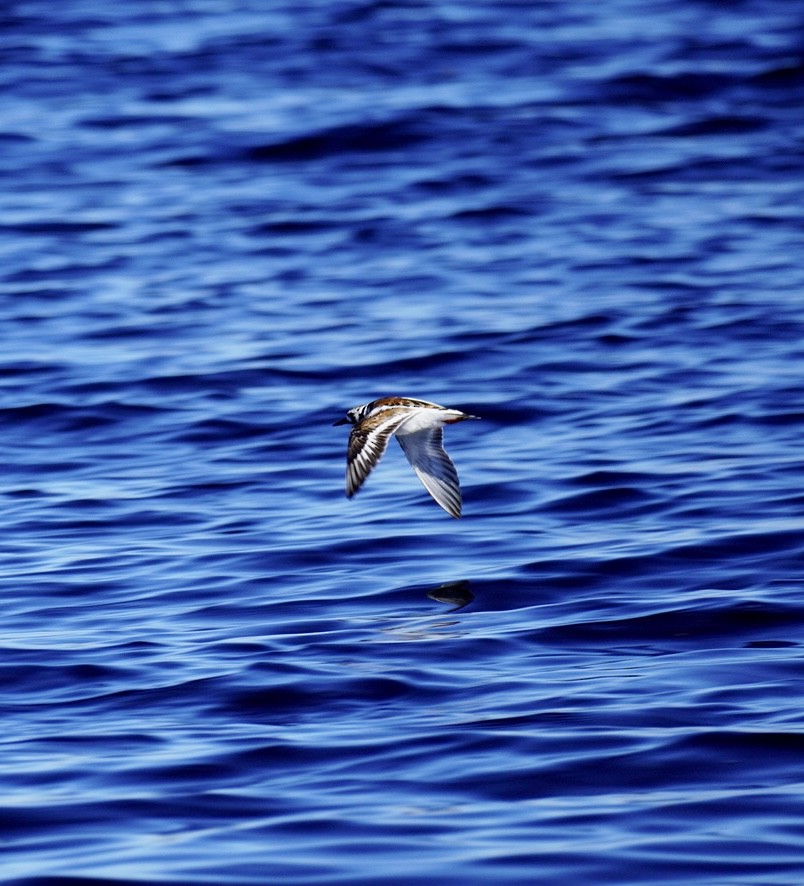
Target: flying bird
{"x": 418, "y": 426}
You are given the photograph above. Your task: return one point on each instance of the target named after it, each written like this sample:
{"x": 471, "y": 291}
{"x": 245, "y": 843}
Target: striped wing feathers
{"x": 368, "y": 442}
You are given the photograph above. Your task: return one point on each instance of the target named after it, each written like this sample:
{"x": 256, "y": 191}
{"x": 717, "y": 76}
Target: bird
{"x": 418, "y": 427}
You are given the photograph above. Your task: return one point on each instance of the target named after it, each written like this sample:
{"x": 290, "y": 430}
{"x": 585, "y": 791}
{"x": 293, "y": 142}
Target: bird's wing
{"x": 367, "y": 443}
{"x": 425, "y": 452}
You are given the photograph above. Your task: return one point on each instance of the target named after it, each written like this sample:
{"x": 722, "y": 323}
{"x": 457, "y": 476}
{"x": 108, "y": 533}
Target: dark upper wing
{"x": 367, "y": 443}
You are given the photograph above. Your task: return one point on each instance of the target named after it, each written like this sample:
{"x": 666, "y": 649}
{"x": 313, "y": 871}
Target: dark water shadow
{"x": 455, "y": 593}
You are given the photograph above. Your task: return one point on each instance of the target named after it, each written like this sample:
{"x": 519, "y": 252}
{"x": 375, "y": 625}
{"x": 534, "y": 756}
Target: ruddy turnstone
{"x": 418, "y": 426}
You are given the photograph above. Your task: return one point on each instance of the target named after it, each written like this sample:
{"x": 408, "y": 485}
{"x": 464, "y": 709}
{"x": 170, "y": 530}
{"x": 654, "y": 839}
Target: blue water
{"x": 222, "y": 224}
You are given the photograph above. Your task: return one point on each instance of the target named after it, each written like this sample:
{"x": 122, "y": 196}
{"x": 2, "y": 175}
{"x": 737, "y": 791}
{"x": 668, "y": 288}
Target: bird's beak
{"x": 340, "y": 421}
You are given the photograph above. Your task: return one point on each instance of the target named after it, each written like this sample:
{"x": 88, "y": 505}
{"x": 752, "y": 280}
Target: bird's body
{"x": 418, "y": 426}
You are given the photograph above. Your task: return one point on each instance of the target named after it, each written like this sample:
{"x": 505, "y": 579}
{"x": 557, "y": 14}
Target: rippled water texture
{"x": 224, "y": 223}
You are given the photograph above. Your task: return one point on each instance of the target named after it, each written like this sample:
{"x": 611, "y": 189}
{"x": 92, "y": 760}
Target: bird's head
{"x": 353, "y": 416}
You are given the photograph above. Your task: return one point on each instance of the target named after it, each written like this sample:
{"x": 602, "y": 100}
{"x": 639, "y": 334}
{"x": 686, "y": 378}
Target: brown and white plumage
{"x": 418, "y": 426}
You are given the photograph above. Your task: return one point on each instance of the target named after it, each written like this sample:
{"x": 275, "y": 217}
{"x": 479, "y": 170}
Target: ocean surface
{"x": 225, "y": 222}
